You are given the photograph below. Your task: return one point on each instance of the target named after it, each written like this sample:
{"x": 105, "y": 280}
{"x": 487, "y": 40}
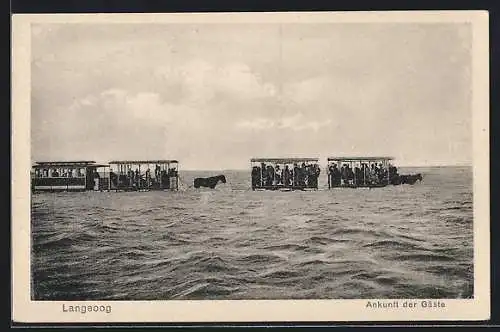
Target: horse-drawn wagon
{"x": 365, "y": 172}
{"x": 125, "y": 175}
{"x": 68, "y": 176}
{"x": 137, "y": 175}
{"x": 284, "y": 173}
{"x": 356, "y": 172}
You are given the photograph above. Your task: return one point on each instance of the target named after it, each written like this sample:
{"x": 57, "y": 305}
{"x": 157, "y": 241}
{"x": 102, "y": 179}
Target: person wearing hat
{"x": 277, "y": 175}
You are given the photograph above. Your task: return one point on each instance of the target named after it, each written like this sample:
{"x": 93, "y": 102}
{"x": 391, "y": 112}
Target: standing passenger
{"x": 358, "y": 176}
{"x": 315, "y": 175}
{"x": 255, "y": 177}
{"x": 148, "y": 177}
{"x": 344, "y": 174}
{"x": 295, "y": 175}
{"x": 336, "y": 175}
{"x": 366, "y": 174}
{"x": 302, "y": 175}
{"x": 270, "y": 175}
{"x": 330, "y": 175}
{"x": 157, "y": 172}
{"x": 373, "y": 174}
{"x": 286, "y": 176}
{"x": 277, "y": 175}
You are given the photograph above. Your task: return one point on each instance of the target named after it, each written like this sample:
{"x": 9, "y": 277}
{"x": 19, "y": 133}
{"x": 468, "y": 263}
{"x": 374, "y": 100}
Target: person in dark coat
{"x": 277, "y": 175}
{"x": 286, "y": 176}
{"x": 255, "y": 176}
{"x": 296, "y": 172}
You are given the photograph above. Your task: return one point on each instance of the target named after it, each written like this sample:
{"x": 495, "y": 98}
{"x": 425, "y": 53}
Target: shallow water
{"x": 234, "y": 243}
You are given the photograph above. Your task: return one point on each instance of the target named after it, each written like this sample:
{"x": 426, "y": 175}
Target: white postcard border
{"x": 25, "y": 310}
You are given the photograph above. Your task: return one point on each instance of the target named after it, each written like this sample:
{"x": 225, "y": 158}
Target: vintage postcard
{"x": 250, "y": 167}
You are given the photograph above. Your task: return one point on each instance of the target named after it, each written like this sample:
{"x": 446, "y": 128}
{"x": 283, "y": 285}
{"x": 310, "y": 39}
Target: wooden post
{"x": 168, "y": 176}
{"x": 85, "y": 178}
{"x": 251, "y": 175}
{"x": 177, "y": 177}
{"x": 261, "y": 176}
{"x": 139, "y": 177}
{"x": 273, "y": 176}
{"x": 370, "y": 171}
{"x": 328, "y": 174}
{"x": 388, "y": 176}
{"x": 364, "y": 176}
{"x": 355, "y": 183}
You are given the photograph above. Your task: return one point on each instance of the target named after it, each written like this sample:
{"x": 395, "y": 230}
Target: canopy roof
{"x": 99, "y": 165}
{"x": 359, "y": 158}
{"x": 143, "y": 162}
{"x": 80, "y": 163}
{"x": 284, "y": 160}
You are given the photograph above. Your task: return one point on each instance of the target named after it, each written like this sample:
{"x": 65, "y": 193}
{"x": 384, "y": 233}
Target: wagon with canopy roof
{"x": 356, "y": 172}
{"x": 69, "y": 176}
{"x": 144, "y": 175}
{"x": 284, "y": 173}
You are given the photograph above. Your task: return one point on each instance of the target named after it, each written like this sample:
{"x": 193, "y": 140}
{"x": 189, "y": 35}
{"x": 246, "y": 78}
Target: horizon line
{"x": 246, "y": 169}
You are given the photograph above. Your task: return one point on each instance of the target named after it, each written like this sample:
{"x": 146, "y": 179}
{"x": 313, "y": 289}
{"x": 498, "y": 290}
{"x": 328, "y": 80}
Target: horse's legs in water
{"x": 214, "y": 184}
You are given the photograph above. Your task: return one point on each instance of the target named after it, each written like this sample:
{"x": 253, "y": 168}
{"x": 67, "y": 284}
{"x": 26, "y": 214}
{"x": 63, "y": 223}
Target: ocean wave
{"x": 286, "y": 246}
{"x": 259, "y": 259}
{"x": 456, "y": 219}
{"x": 393, "y": 244}
{"x": 238, "y": 244}
{"x": 323, "y": 240}
{"x": 313, "y": 262}
{"x": 173, "y": 239}
{"x": 356, "y": 231}
{"x": 205, "y": 289}
{"x": 424, "y": 257}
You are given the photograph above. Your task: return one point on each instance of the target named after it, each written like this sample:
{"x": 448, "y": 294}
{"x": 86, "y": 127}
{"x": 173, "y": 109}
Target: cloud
{"x": 256, "y": 124}
{"x": 128, "y": 91}
{"x": 296, "y": 122}
{"x": 144, "y": 108}
{"x": 184, "y": 111}
{"x": 202, "y": 82}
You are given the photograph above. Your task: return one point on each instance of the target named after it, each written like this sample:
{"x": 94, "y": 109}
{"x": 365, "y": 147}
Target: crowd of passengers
{"x": 305, "y": 175}
{"x": 59, "y": 172}
{"x": 363, "y": 174}
{"x": 129, "y": 178}
{"x": 133, "y": 178}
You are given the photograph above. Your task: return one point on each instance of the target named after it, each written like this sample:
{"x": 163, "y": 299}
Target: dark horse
{"x": 410, "y": 179}
{"x": 210, "y": 182}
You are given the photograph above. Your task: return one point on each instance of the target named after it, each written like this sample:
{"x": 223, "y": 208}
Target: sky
{"x": 215, "y": 95}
